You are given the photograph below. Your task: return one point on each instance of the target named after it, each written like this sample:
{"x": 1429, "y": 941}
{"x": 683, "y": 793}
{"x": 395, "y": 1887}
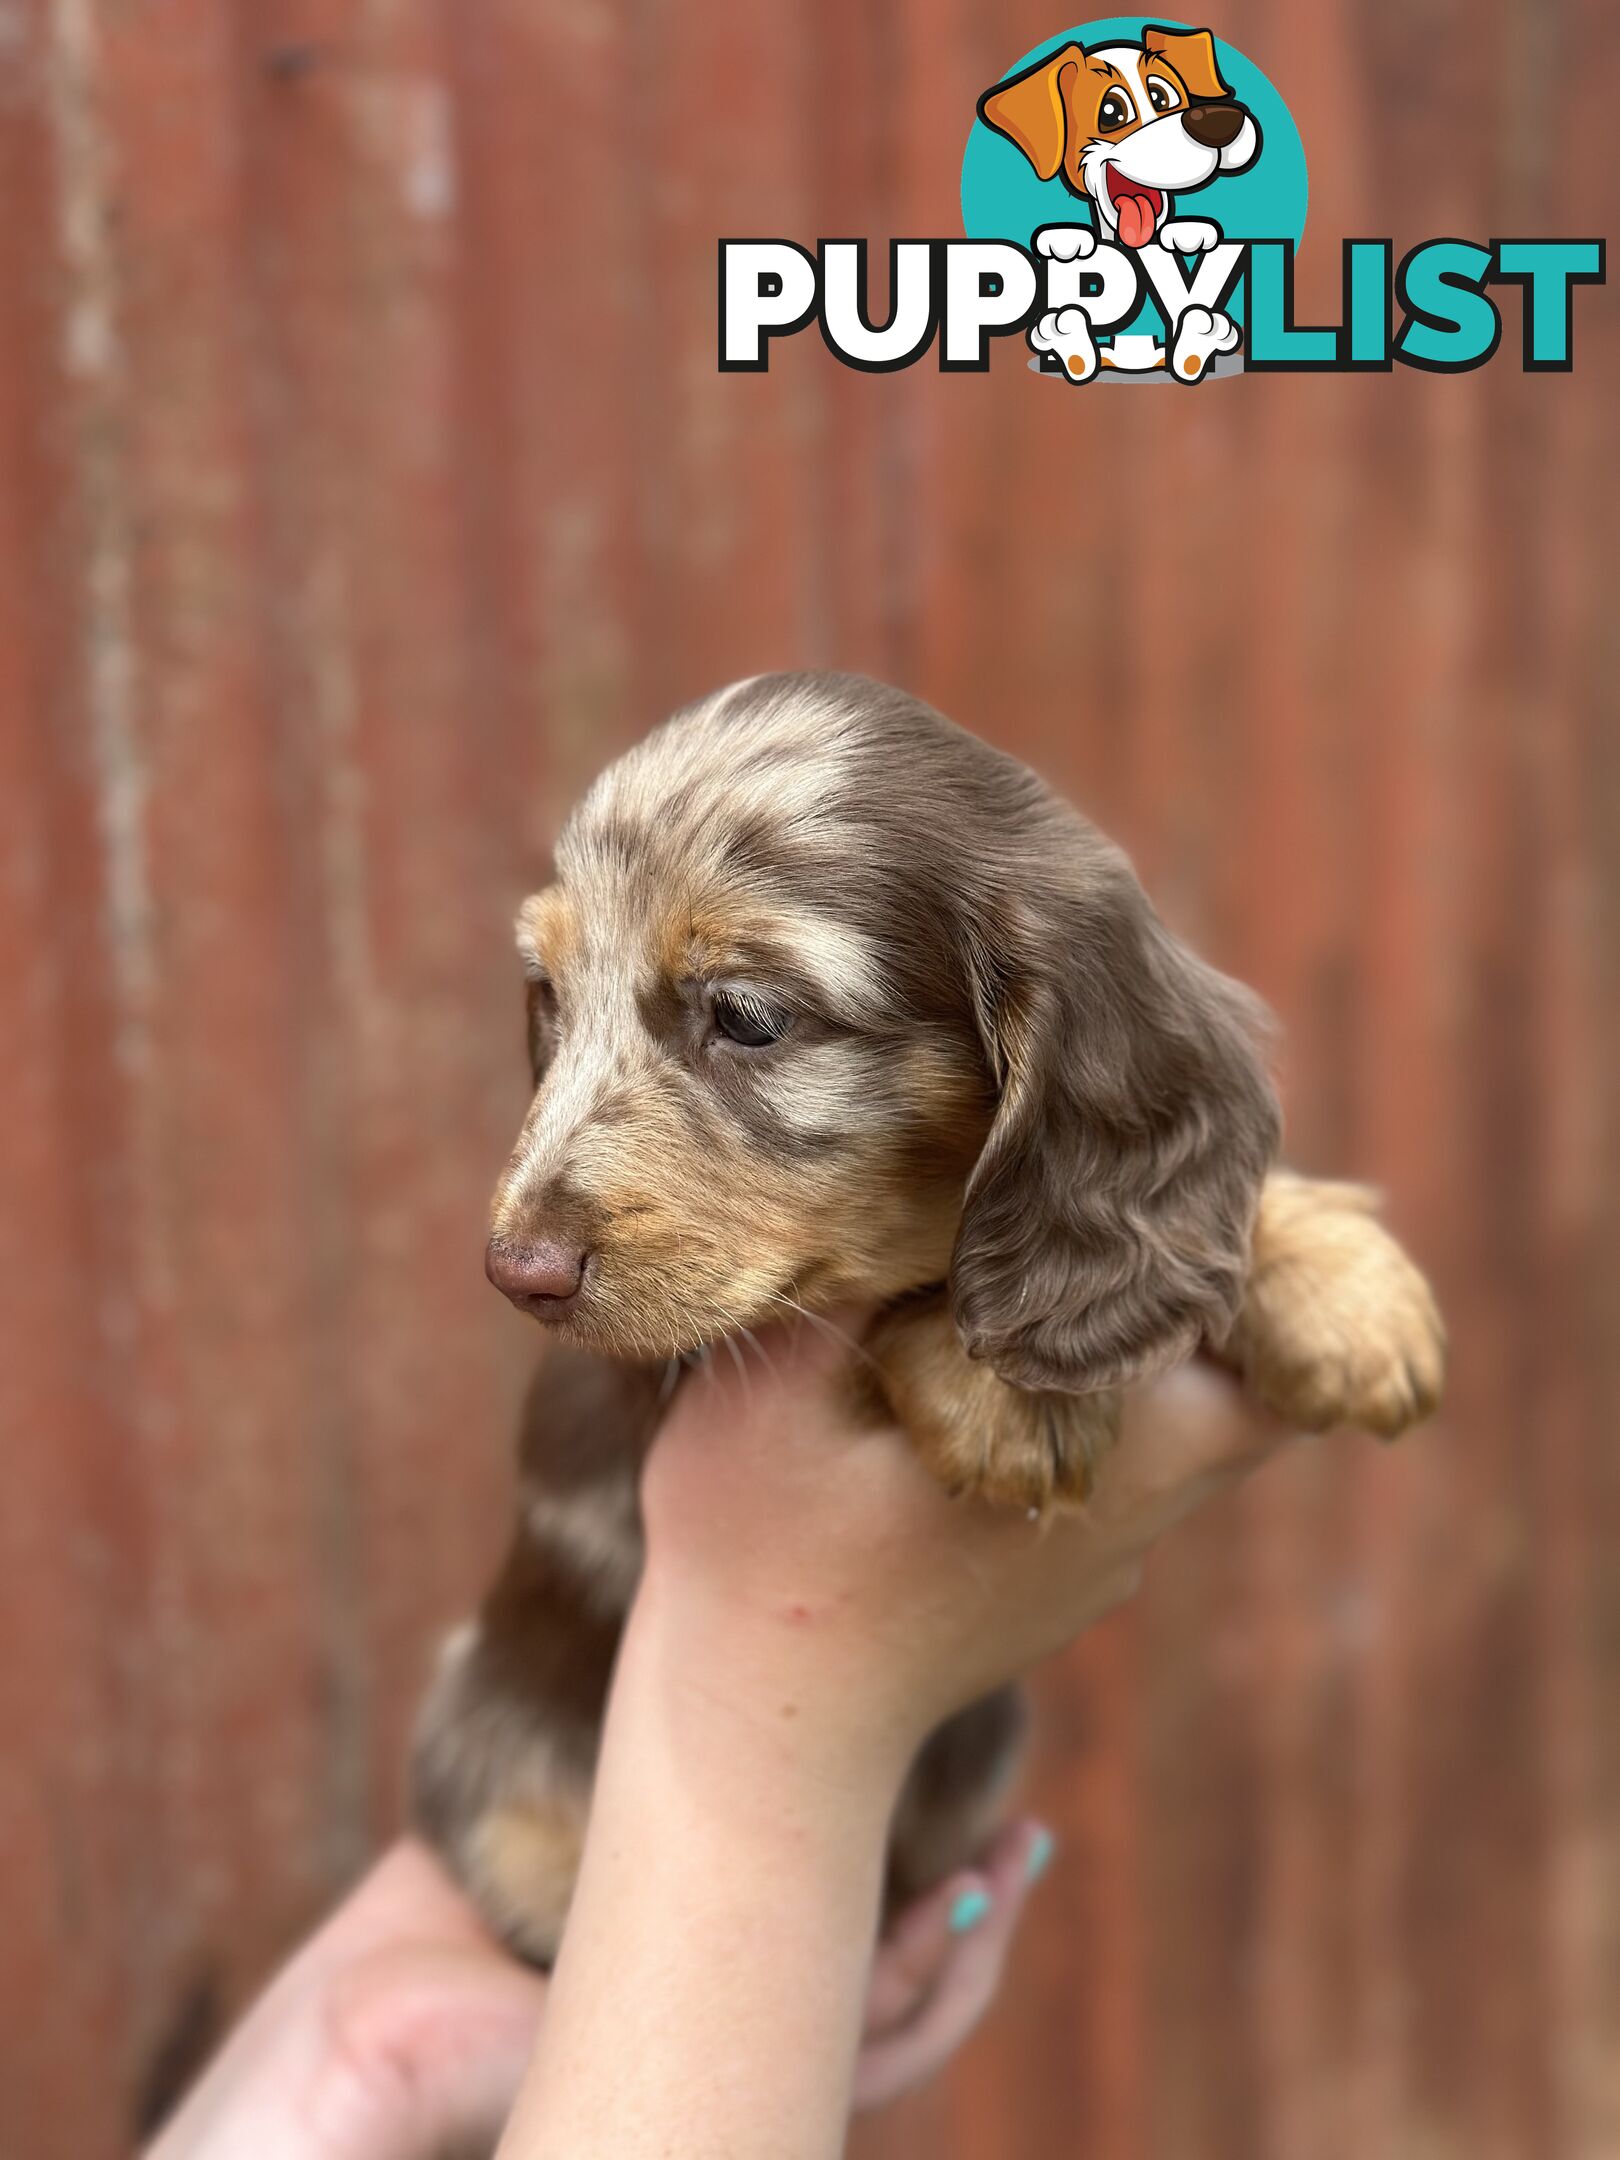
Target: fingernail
{"x": 970, "y": 1908}
{"x": 1041, "y": 1848}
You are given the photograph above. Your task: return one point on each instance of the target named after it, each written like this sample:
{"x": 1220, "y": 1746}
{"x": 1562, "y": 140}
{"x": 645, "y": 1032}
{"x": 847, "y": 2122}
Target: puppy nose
{"x": 1214, "y": 126}
{"x": 542, "y": 1277}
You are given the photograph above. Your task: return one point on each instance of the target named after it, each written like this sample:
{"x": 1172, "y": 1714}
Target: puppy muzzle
{"x": 543, "y": 1276}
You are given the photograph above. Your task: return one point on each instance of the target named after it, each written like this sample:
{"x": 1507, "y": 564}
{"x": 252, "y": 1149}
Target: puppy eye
{"x": 1160, "y": 96}
{"x": 748, "y": 1021}
{"x": 1115, "y": 111}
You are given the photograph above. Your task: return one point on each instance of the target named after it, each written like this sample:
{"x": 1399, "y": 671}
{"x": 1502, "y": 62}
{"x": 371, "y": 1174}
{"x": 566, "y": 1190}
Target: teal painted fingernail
{"x": 970, "y": 1908}
{"x": 1040, "y": 1855}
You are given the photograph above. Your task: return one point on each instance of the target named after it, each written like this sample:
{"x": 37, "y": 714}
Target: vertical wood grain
{"x": 365, "y": 482}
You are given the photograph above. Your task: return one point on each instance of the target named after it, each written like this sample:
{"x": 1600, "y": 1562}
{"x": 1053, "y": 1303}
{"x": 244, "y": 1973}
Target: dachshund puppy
{"x": 831, "y": 1001}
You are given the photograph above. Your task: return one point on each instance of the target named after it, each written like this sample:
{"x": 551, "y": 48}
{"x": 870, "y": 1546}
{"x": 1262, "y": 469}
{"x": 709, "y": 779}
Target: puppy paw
{"x": 1066, "y": 334}
{"x": 1338, "y": 1327}
{"x": 975, "y": 1434}
{"x": 1041, "y": 1453}
{"x": 1066, "y": 243}
{"x": 1200, "y": 334}
{"x": 1190, "y": 236}
{"x": 491, "y": 1790}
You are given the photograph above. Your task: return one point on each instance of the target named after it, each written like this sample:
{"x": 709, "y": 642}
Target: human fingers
{"x": 1186, "y": 1437}
{"x": 914, "y": 1950}
{"x": 939, "y": 1969}
{"x": 426, "y": 2046}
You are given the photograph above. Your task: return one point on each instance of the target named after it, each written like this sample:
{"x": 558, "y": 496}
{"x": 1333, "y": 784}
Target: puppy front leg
{"x": 1016, "y": 1448}
{"x": 1338, "y": 1327}
{"x": 505, "y": 1748}
{"x": 502, "y": 1791}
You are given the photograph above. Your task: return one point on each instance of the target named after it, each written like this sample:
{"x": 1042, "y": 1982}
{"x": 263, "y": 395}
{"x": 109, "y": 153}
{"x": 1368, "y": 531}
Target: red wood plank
{"x": 365, "y": 481}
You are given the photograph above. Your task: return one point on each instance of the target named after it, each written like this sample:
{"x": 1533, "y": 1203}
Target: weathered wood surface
{"x": 365, "y": 480}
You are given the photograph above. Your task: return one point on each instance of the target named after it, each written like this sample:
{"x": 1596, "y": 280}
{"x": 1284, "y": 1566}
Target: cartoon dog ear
{"x": 1031, "y": 109}
{"x": 1105, "y": 1231}
{"x": 1192, "y": 54}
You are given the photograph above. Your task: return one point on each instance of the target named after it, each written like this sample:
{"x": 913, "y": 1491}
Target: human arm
{"x": 401, "y": 2029}
{"x": 813, "y": 1605}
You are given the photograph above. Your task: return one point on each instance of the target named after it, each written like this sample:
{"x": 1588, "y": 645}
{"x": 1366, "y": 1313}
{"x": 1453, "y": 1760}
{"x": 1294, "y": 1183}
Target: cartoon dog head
{"x": 1127, "y": 126}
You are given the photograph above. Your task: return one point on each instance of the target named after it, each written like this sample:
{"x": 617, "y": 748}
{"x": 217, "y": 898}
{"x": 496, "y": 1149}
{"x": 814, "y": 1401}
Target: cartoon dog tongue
{"x": 1136, "y": 215}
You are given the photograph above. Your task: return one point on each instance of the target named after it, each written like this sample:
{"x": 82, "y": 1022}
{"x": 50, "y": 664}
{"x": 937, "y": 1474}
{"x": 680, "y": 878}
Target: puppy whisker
{"x": 759, "y": 1349}
{"x": 743, "y": 1373}
{"x": 820, "y": 1320}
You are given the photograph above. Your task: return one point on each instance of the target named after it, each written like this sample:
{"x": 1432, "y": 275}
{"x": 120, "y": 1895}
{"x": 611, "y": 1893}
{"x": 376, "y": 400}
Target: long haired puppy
{"x": 831, "y": 1001}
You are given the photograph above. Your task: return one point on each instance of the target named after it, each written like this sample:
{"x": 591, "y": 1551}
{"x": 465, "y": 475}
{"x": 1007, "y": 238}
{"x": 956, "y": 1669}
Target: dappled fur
{"x": 1106, "y": 1227}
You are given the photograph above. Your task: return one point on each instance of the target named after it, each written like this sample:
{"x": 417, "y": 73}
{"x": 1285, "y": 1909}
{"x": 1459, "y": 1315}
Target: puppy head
{"x": 831, "y": 1000}
{"x": 744, "y": 1101}
{"x": 1125, "y": 126}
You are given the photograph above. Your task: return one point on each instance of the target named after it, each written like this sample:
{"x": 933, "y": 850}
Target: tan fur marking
{"x": 1337, "y": 1327}
{"x": 521, "y": 1862}
{"x": 548, "y": 929}
{"x": 720, "y": 936}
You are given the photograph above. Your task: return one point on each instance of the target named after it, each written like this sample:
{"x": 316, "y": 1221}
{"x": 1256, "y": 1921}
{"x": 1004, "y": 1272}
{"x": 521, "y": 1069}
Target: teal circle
{"x": 1003, "y": 198}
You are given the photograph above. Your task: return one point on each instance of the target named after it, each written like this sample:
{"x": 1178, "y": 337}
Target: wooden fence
{"x": 366, "y": 480}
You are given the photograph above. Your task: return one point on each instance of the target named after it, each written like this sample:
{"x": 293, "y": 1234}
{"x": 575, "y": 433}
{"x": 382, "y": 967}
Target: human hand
{"x": 808, "y": 1574}
{"x": 933, "y": 1978}
{"x": 399, "y": 2031}
{"x": 402, "y": 2029}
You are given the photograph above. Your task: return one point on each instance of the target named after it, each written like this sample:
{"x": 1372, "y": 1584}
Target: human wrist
{"x": 729, "y": 1839}
{"x": 774, "y": 1685}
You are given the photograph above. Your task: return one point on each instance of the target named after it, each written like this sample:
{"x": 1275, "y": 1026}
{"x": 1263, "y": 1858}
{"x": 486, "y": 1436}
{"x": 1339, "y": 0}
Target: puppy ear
{"x": 1192, "y": 54}
{"x": 1032, "y": 109}
{"x": 1106, "y": 1226}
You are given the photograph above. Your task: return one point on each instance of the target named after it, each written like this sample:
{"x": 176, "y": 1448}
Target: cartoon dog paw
{"x": 1065, "y": 333}
{"x": 1066, "y": 243}
{"x": 1201, "y": 333}
{"x": 1189, "y": 235}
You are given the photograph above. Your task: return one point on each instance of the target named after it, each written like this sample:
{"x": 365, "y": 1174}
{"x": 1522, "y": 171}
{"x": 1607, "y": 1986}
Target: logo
{"x": 1133, "y": 194}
